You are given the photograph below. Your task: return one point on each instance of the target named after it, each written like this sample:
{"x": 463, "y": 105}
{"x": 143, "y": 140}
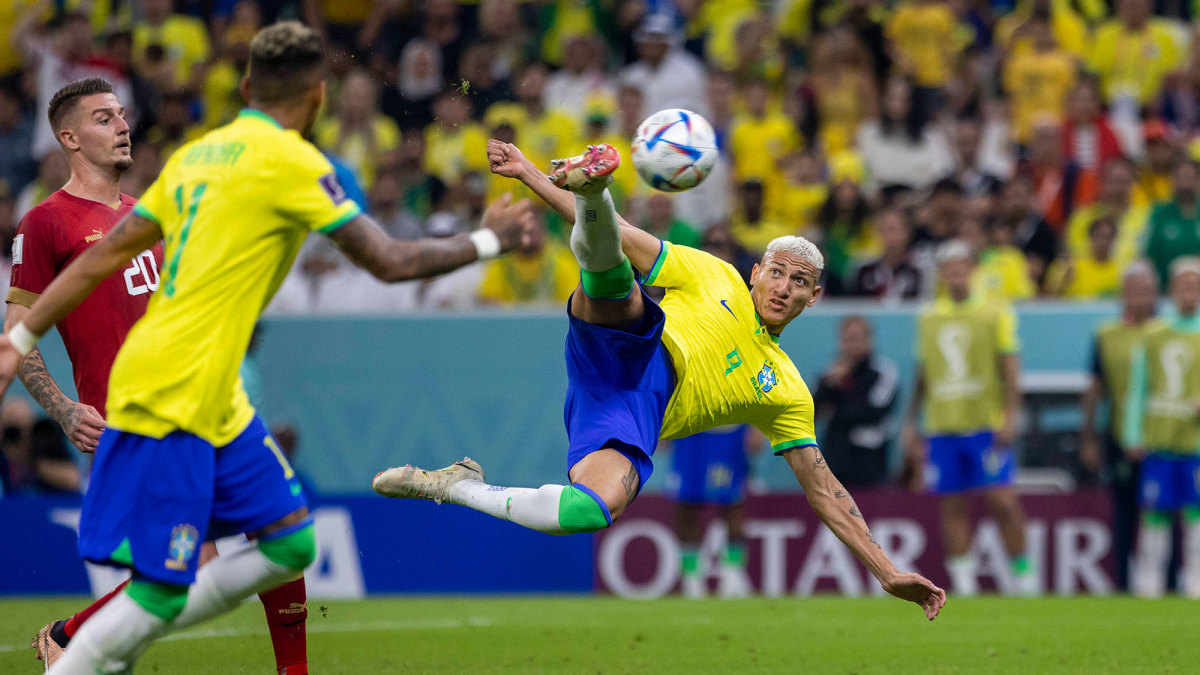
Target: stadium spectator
{"x": 799, "y": 192}
{"x": 581, "y": 79}
{"x": 1162, "y": 156}
{"x": 712, "y": 467}
{"x": 220, "y": 94}
{"x": 1088, "y": 138}
{"x": 540, "y": 272}
{"x": 341, "y": 23}
{"x": 840, "y": 92}
{"x": 180, "y": 42}
{"x": 1112, "y": 358}
{"x": 751, "y": 225}
{"x": 967, "y": 384}
{"x": 667, "y": 76}
{"x": 476, "y": 73}
{"x": 974, "y": 171}
{"x": 1059, "y": 184}
{"x": 1173, "y": 230}
{"x": 1031, "y": 233}
{"x": 1038, "y": 80}
{"x": 856, "y": 397}
{"x": 61, "y": 56}
{"x": 1162, "y": 429}
{"x": 547, "y": 132}
{"x": 845, "y": 224}
{"x": 901, "y": 148}
{"x": 452, "y": 141}
{"x": 52, "y": 173}
{"x": 358, "y": 133}
{"x": 661, "y": 222}
{"x": 1114, "y": 201}
{"x": 892, "y": 276}
{"x": 1069, "y": 28}
{"x": 1133, "y": 53}
{"x": 924, "y": 42}
{"x": 1094, "y": 275}
{"x": 1001, "y": 272}
{"x": 174, "y": 125}
{"x": 18, "y": 476}
{"x": 761, "y": 136}
{"x": 17, "y": 167}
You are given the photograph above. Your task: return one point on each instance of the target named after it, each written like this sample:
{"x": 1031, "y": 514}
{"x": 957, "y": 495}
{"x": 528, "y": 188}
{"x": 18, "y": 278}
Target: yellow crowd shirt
{"x": 1133, "y": 64}
{"x": 925, "y": 36}
{"x": 234, "y": 208}
{"x": 728, "y": 368}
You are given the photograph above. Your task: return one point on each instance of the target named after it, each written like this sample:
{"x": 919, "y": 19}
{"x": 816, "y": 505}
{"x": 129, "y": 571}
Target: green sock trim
{"x": 690, "y": 560}
{"x": 295, "y": 551}
{"x": 579, "y": 511}
{"x": 735, "y": 554}
{"x": 1156, "y": 518}
{"x": 1191, "y": 515}
{"x": 1020, "y": 565}
{"x": 611, "y": 284}
{"x": 165, "y": 601}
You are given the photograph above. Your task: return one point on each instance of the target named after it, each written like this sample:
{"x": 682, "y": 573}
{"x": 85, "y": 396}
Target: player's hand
{"x": 918, "y": 589}
{"x": 1089, "y": 453}
{"x": 10, "y": 360}
{"x": 512, "y": 223}
{"x": 505, "y": 159}
{"x": 83, "y": 425}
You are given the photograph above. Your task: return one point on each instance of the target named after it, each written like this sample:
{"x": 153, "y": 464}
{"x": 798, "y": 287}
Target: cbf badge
{"x": 183, "y": 546}
{"x": 765, "y": 380}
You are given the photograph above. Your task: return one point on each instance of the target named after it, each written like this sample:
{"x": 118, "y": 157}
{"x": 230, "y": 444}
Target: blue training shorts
{"x": 151, "y": 502}
{"x": 959, "y": 463}
{"x": 618, "y": 386}
{"x": 711, "y": 467}
{"x": 1169, "y": 481}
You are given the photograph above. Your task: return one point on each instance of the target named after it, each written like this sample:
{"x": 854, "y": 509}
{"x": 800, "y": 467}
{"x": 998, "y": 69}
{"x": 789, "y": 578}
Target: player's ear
{"x": 66, "y": 136}
{"x": 816, "y": 294}
{"x": 244, "y": 88}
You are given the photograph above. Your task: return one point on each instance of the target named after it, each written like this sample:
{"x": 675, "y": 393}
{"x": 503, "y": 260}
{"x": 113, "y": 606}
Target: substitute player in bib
{"x": 89, "y": 123}
{"x": 966, "y": 380}
{"x": 185, "y": 458}
{"x": 638, "y": 372}
{"x": 1162, "y": 428}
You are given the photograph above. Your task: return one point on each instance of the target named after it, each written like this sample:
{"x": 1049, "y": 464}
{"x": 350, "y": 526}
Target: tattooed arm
{"x": 837, "y": 509}
{"x": 389, "y": 259}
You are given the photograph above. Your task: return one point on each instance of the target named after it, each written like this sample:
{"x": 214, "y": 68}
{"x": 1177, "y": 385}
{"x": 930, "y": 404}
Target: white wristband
{"x": 22, "y": 339}
{"x": 487, "y": 244}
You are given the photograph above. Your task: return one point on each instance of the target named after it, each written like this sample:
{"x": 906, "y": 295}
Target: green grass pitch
{"x": 608, "y": 635}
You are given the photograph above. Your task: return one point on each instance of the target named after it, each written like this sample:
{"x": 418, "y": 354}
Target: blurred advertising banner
{"x": 790, "y": 552}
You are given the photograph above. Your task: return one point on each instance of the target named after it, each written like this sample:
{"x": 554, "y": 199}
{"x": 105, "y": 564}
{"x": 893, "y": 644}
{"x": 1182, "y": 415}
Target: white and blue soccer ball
{"x": 674, "y": 150}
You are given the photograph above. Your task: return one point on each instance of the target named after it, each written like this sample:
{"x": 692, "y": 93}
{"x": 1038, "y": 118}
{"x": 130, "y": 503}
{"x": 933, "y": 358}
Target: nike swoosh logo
{"x": 729, "y": 310}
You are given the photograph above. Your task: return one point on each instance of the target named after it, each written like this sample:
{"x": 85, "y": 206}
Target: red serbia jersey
{"x": 52, "y": 235}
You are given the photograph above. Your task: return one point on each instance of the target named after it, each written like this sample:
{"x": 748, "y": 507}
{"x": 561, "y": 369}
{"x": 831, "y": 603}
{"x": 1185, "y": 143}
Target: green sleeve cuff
{"x": 780, "y": 448}
{"x": 351, "y": 215}
{"x": 143, "y": 212}
{"x": 652, "y": 275}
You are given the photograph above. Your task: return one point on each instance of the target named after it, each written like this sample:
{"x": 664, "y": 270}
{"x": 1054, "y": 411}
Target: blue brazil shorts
{"x": 711, "y": 467}
{"x": 1169, "y": 481}
{"x": 618, "y": 386}
{"x": 965, "y": 462}
{"x": 152, "y": 502}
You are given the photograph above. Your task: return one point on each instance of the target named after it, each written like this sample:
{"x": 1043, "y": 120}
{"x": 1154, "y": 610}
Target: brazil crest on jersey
{"x": 234, "y": 207}
{"x": 728, "y": 368}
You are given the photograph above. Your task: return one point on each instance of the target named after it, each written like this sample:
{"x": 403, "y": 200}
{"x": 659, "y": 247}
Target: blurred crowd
{"x": 1058, "y": 137}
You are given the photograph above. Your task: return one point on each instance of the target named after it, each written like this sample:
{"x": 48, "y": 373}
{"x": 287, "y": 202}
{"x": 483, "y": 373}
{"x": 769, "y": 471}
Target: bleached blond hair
{"x": 797, "y": 246}
{"x": 1184, "y": 265}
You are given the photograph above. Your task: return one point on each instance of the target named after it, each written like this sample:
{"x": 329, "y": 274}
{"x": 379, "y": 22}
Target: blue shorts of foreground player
{"x": 711, "y": 467}
{"x": 1169, "y": 481}
{"x": 967, "y": 462}
{"x": 152, "y": 501}
{"x": 618, "y": 386}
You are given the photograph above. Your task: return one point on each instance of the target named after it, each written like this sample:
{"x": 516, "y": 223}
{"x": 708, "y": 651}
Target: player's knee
{"x": 581, "y": 510}
{"x": 294, "y": 550}
{"x": 164, "y": 601}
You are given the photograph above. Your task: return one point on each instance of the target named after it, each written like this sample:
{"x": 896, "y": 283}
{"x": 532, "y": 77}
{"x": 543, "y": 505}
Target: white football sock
{"x": 225, "y": 582}
{"x": 111, "y": 639}
{"x": 1191, "y": 560}
{"x": 536, "y": 509}
{"x": 596, "y": 237}
{"x": 1153, "y": 556}
{"x": 962, "y": 575}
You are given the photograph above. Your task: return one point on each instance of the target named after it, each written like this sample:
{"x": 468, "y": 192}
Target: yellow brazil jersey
{"x": 183, "y": 38}
{"x": 234, "y": 208}
{"x": 1085, "y": 278}
{"x": 1131, "y": 230}
{"x": 959, "y": 345}
{"x": 728, "y": 368}
{"x": 451, "y": 152}
{"x": 1038, "y": 83}
{"x": 1134, "y": 64}
{"x": 759, "y": 144}
{"x": 924, "y": 37}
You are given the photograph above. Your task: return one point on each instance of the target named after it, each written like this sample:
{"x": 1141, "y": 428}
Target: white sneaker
{"x": 410, "y": 482}
{"x": 732, "y": 583}
{"x": 1025, "y": 585}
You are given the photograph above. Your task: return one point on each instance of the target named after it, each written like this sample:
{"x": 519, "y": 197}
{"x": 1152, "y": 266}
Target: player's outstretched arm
{"x": 506, "y": 159}
{"x": 836, "y": 508}
{"x": 130, "y": 237}
{"x": 81, "y": 423}
{"x": 505, "y": 227}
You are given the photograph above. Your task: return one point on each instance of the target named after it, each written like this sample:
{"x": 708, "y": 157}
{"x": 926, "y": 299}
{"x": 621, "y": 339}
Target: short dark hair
{"x": 64, "y": 100}
{"x": 287, "y": 59}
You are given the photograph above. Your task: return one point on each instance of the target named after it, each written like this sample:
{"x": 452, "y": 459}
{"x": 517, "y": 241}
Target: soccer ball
{"x": 674, "y": 150}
